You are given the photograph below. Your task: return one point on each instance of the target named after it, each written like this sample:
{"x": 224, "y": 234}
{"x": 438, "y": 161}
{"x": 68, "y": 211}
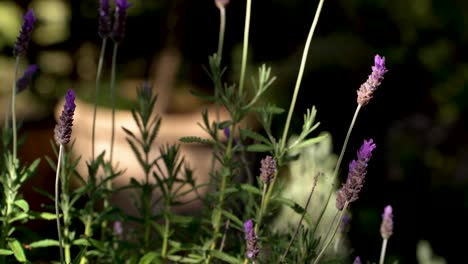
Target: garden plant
{"x": 238, "y": 221}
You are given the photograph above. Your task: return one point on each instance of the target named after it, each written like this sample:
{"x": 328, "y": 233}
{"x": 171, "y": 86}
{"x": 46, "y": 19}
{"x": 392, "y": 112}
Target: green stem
{"x": 96, "y": 95}
{"x": 57, "y": 210}
{"x": 112, "y": 91}
{"x": 300, "y": 220}
{"x": 146, "y": 214}
{"x": 335, "y": 228}
{"x": 338, "y": 163}
{"x": 87, "y": 234}
{"x": 222, "y": 189}
{"x": 301, "y": 73}
{"x": 262, "y": 208}
{"x": 67, "y": 253}
{"x": 166, "y": 235}
{"x": 218, "y": 85}
{"x": 382, "y": 252}
{"x": 345, "y": 144}
{"x": 222, "y": 29}
{"x": 245, "y": 46}
{"x": 147, "y": 198}
{"x": 13, "y": 109}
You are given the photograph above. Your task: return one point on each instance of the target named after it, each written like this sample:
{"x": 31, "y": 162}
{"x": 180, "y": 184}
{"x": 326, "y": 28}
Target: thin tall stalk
{"x": 382, "y": 251}
{"x": 301, "y": 73}
{"x": 57, "y": 210}
{"x": 112, "y": 91}
{"x": 335, "y": 228}
{"x": 13, "y": 109}
{"x": 338, "y": 164}
{"x": 245, "y": 47}
{"x": 96, "y": 95}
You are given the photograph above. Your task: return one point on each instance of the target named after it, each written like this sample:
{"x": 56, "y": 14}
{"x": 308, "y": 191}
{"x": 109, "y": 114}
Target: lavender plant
{"x": 62, "y": 134}
{"x": 236, "y": 224}
{"x": 14, "y": 208}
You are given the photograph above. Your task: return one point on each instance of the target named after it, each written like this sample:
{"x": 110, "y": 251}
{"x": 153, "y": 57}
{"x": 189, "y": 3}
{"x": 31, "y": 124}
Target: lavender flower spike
{"x": 120, "y": 20}
{"x": 367, "y": 89}
{"x": 268, "y": 169}
{"x": 251, "y": 240}
{"x": 386, "y": 228}
{"x": 118, "y": 229}
{"x": 104, "y": 18}
{"x": 357, "y": 172}
{"x": 357, "y": 260}
{"x": 24, "y": 37}
{"x": 63, "y": 129}
{"x": 23, "y": 82}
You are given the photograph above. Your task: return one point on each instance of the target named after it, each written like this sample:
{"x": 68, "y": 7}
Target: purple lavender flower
{"x": 63, "y": 129}
{"x": 344, "y": 225}
{"x": 120, "y": 19}
{"x": 104, "y": 18}
{"x": 24, "y": 37}
{"x": 268, "y": 169}
{"x": 357, "y": 260}
{"x": 23, "y": 82}
{"x": 227, "y": 134}
{"x": 357, "y": 172}
{"x": 367, "y": 89}
{"x": 386, "y": 228}
{"x": 118, "y": 229}
{"x": 251, "y": 239}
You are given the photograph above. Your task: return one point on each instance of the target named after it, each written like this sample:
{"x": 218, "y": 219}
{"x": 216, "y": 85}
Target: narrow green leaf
{"x": 251, "y": 189}
{"x": 17, "y": 249}
{"x": 32, "y": 168}
{"x": 225, "y": 257}
{"x": 180, "y": 259}
{"x": 81, "y": 242}
{"x": 197, "y": 140}
{"x": 23, "y": 205}
{"x": 43, "y": 215}
{"x": 44, "y": 243}
{"x": 47, "y": 216}
{"x": 308, "y": 142}
{"x": 5, "y": 252}
{"x": 259, "y": 148}
{"x": 149, "y": 258}
{"x": 253, "y": 135}
{"x": 18, "y": 217}
{"x": 224, "y": 124}
{"x": 272, "y": 109}
{"x": 233, "y": 218}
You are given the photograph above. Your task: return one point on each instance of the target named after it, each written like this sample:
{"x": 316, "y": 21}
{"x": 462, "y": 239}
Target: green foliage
{"x": 285, "y": 227}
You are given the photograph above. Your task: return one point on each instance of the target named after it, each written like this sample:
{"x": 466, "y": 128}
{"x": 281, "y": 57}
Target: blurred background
{"x": 418, "y": 117}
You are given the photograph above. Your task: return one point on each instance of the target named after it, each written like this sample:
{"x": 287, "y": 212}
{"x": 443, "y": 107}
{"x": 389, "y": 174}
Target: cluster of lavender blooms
{"x": 24, "y": 37}
{"x": 251, "y": 240}
{"x": 386, "y": 228}
{"x": 23, "y": 82}
{"x": 117, "y": 31}
{"x": 357, "y": 173}
{"x": 267, "y": 169}
{"x": 63, "y": 129}
{"x": 367, "y": 89}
